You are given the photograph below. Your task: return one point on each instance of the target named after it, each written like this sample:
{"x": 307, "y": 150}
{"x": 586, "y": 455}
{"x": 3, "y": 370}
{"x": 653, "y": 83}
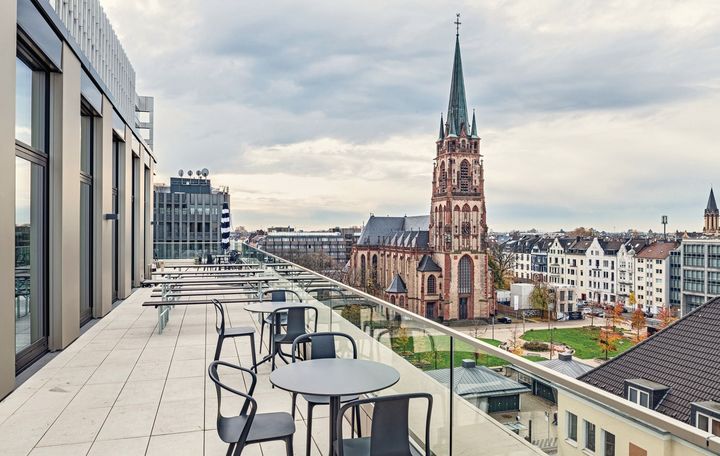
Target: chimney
{"x": 566, "y": 356}
{"x": 468, "y": 363}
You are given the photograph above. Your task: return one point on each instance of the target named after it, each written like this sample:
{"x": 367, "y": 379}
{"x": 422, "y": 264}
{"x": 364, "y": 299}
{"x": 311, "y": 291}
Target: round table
{"x": 334, "y": 377}
{"x": 268, "y": 307}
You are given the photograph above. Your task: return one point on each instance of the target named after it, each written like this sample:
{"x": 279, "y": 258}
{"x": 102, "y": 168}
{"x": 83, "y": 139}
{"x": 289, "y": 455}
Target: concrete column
{"x": 139, "y": 213}
{"x": 64, "y": 223}
{"x": 102, "y": 188}
{"x": 149, "y": 204}
{"x": 8, "y": 37}
{"x": 124, "y": 216}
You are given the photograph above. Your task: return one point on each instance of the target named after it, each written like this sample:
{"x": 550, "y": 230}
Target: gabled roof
{"x": 683, "y": 357}
{"x": 379, "y": 230}
{"x": 657, "y": 250}
{"x": 580, "y": 246}
{"x": 397, "y": 285}
{"x": 427, "y": 264}
{"x": 611, "y": 246}
{"x": 478, "y": 381}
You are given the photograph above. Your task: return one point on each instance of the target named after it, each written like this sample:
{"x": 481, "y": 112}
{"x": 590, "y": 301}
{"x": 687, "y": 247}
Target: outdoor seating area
{"x": 270, "y": 359}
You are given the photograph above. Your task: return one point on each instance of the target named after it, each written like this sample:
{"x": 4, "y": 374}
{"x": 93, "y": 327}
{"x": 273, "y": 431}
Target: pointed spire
{"x": 457, "y": 106}
{"x": 452, "y": 131}
{"x": 441, "y": 136}
{"x": 473, "y": 133}
{"x": 711, "y": 204}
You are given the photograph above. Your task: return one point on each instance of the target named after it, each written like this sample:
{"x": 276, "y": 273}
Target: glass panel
{"x": 86, "y": 144}
{"x": 29, "y": 254}
{"x": 609, "y": 444}
{"x": 85, "y": 252}
{"x": 30, "y": 110}
{"x": 702, "y": 422}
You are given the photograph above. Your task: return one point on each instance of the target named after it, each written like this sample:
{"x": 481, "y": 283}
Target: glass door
{"x": 86, "y": 217}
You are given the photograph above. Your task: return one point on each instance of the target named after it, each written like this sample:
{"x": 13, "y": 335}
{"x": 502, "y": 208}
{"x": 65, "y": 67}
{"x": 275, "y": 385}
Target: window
{"x": 572, "y": 426}
{"x": 608, "y": 444}
{"x": 443, "y": 178}
{"x": 639, "y": 397}
{"x": 31, "y": 112}
{"x": 431, "y": 285}
{"x": 464, "y": 176}
{"x": 589, "y": 436}
{"x": 465, "y": 275}
{"x": 708, "y": 423}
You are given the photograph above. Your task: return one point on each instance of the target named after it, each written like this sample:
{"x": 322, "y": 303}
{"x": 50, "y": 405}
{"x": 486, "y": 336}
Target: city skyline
{"x": 593, "y": 117}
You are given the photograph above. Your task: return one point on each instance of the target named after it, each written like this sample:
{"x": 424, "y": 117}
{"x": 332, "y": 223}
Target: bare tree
{"x": 502, "y": 265}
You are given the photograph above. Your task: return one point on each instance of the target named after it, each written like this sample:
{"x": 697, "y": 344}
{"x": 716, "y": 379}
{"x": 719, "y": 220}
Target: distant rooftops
{"x": 657, "y": 250}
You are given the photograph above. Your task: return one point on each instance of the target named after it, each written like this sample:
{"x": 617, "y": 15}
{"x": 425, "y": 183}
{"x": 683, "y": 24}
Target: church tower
{"x": 458, "y": 230}
{"x": 712, "y": 216}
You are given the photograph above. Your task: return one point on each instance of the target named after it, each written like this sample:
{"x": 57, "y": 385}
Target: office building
{"x": 294, "y": 245}
{"x": 75, "y": 201}
{"x": 187, "y": 217}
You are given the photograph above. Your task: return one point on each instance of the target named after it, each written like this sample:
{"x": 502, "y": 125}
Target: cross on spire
{"x": 457, "y": 24}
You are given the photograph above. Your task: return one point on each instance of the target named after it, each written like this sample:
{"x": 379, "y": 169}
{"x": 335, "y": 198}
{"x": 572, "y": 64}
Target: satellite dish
{"x": 189, "y": 172}
{"x": 198, "y": 173}
{"x": 180, "y": 173}
{"x": 205, "y": 172}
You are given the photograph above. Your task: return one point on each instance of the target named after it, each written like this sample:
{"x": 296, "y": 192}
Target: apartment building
{"x": 293, "y": 245}
{"x": 601, "y": 261}
{"x": 625, "y": 274}
{"x": 700, "y": 271}
{"x": 652, "y": 276}
{"x": 76, "y": 208}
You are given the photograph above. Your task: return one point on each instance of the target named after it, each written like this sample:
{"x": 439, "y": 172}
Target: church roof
{"x": 397, "y": 285}
{"x": 711, "y": 204}
{"x": 427, "y": 264}
{"x": 457, "y": 106}
{"x": 399, "y": 231}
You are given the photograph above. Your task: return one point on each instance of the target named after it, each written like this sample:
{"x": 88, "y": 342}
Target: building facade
{"x": 297, "y": 244}
{"x": 187, "y": 218}
{"x": 652, "y": 276}
{"x": 441, "y": 259}
{"x": 77, "y": 208}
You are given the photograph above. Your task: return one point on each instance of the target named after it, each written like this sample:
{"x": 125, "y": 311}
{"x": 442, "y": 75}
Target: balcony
{"x": 125, "y": 386}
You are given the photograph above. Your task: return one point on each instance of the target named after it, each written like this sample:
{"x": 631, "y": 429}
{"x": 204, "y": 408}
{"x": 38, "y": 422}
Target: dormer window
{"x": 706, "y": 416}
{"x": 645, "y": 393}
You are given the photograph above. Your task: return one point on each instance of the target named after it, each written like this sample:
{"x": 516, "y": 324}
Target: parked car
{"x": 506, "y": 320}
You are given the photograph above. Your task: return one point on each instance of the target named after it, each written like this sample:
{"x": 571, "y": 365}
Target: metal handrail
{"x": 601, "y": 397}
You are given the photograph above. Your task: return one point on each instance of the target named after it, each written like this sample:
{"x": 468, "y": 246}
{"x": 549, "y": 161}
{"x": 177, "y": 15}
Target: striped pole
{"x": 225, "y": 227}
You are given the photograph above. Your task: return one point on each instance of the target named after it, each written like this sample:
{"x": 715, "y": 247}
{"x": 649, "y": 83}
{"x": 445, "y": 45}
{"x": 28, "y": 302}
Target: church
{"x": 436, "y": 265}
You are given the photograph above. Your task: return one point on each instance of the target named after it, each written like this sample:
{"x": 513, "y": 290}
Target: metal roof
{"x": 478, "y": 381}
{"x": 397, "y": 285}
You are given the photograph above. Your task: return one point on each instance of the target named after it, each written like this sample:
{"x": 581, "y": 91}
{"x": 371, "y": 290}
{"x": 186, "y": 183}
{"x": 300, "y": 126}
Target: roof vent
{"x": 566, "y": 356}
{"x": 468, "y": 363}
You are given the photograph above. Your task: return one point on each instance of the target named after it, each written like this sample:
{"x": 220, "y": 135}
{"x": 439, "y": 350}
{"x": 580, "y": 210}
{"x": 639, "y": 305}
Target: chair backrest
{"x": 249, "y": 408}
{"x": 390, "y": 433}
{"x": 219, "y": 317}
{"x": 296, "y": 322}
{"x": 281, "y": 295}
{"x": 322, "y": 344}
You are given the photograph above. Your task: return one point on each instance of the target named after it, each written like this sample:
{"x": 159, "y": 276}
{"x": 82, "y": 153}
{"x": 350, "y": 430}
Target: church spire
{"x": 441, "y": 136}
{"x": 473, "y": 133}
{"x": 711, "y": 204}
{"x": 457, "y": 106}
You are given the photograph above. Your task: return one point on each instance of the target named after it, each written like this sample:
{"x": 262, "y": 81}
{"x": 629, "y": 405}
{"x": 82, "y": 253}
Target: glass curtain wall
{"x": 115, "y": 246}
{"x": 30, "y": 294}
{"x": 87, "y": 142}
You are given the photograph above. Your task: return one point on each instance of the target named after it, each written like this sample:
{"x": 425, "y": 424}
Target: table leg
{"x": 334, "y": 412}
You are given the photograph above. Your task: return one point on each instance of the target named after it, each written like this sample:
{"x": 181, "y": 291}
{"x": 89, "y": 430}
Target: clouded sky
{"x": 316, "y": 114}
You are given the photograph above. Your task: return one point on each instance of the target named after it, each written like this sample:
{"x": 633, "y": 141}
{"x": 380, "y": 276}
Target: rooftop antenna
{"x": 181, "y": 172}
{"x": 457, "y": 24}
{"x": 664, "y": 222}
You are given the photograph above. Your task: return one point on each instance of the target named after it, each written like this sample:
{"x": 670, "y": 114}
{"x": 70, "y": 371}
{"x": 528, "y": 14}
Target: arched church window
{"x": 402, "y": 301}
{"x": 465, "y": 176}
{"x": 431, "y": 285}
{"x": 374, "y": 268}
{"x": 362, "y": 270}
{"x": 465, "y": 275}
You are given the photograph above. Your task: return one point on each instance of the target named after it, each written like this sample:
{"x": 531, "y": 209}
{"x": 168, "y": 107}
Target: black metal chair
{"x": 225, "y": 332}
{"x": 275, "y": 296}
{"x": 390, "y": 434}
{"x": 322, "y": 346}
{"x": 248, "y": 426}
{"x": 296, "y": 327}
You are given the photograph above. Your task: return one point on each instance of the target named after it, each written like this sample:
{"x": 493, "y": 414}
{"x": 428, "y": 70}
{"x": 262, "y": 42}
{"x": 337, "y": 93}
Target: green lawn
{"x": 583, "y": 340}
{"x": 493, "y": 342}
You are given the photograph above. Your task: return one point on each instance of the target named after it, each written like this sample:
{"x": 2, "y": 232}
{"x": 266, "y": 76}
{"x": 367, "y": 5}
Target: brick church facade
{"x": 436, "y": 265}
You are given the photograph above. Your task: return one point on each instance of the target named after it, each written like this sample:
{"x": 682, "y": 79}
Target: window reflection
{"x": 29, "y": 248}
{"x": 30, "y": 109}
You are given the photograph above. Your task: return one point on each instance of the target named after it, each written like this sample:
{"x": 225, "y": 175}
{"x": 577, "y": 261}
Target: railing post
{"x": 452, "y": 393}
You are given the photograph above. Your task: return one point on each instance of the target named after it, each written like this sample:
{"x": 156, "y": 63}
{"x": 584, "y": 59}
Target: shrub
{"x": 535, "y": 345}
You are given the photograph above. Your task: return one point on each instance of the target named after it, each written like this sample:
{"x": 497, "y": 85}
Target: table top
{"x": 334, "y": 377}
{"x": 272, "y": 306}
{"x": 221, "y": 272}
{"x": 210, "y": 281}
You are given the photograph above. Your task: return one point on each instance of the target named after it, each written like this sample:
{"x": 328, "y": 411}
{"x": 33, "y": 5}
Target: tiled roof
{"x": 427, "y": 264}
{"x": 657, "y": 250}
{"x": 683, "y": 357}
{"x": 385, "y": 230}
{"x": 478, "y": 381}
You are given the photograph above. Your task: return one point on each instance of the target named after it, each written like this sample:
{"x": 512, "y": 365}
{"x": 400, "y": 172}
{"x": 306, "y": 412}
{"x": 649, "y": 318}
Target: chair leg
{"x": 262, "y": 331}
{"x": 294, "y": 404}
{"x": 218, "y": 347}
{"x": 289, "y": 446}
{"x": 231, "y": 447}
{"x": 252, "y": 347}
{"x": 308, "y": 443}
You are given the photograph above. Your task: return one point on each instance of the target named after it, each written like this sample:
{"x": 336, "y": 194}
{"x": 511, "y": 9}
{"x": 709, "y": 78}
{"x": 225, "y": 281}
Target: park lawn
{"x": 583, "y": 340}
{"x": 493, "y": 342}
